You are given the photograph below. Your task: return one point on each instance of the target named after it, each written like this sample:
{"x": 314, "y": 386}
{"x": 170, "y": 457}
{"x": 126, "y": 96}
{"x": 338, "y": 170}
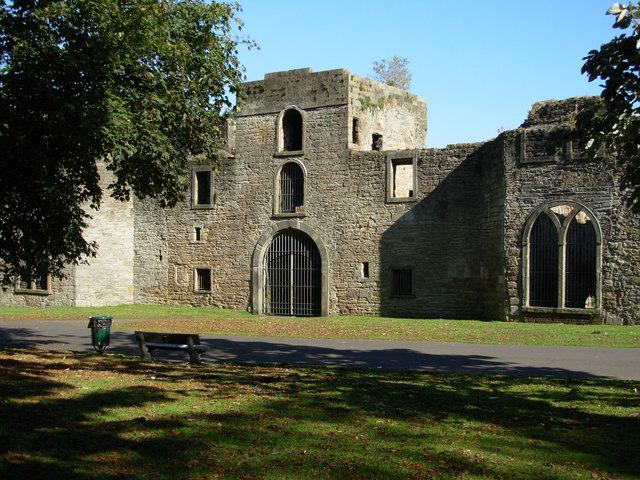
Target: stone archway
{"x": 258, "y": 262}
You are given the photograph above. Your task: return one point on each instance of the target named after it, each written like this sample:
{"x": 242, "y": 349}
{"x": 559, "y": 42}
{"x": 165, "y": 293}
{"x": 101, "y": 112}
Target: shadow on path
{"x": 387, "y": 359}
{"x": 275, "y": 352}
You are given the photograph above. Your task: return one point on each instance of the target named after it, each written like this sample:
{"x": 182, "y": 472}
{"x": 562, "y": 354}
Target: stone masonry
{"x": 375, "y": 201}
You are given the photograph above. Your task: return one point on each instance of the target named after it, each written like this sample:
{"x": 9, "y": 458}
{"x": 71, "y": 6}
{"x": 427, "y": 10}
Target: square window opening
{"x": 376, "y": 142}
{"x": 402, "y": 181}
{"x": 402, "y": 282}
{"x": 203, "y": 279}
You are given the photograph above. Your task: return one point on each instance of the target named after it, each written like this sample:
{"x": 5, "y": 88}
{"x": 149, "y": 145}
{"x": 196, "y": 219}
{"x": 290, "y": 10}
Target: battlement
{"x": 378, "y": 116}
{"x": 301, "y": 87}
{"x": 550, "y": 112}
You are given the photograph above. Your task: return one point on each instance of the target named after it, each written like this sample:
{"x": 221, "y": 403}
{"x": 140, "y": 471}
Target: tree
{"x": 393, "y": 71}
{"x": 616, "y": 123}
{"x": 138, "y": 84}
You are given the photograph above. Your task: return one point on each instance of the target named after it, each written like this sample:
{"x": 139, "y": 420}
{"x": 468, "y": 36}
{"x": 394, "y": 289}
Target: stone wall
{"x": 243, "y": 209}
{"x": 554, "y": 112}
{"x": 438, "y": 237}
{"x": 108, "y": 278}
{"x": 151, "y": 252}
{"x": 491, "y": 228}
{"x": 461, "y": 236}
{"x": 345, "y": 206}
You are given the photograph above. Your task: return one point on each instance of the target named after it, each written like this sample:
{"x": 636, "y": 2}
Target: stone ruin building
{"x": 329, "y": 203}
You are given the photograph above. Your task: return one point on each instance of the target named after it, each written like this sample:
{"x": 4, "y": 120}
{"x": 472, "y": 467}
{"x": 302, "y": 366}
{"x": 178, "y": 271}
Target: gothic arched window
{"x": 562, "y": 254}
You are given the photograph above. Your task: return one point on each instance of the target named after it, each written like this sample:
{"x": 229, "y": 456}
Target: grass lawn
{"x": 65, "y": 416}
{"x": 236, "y": 322}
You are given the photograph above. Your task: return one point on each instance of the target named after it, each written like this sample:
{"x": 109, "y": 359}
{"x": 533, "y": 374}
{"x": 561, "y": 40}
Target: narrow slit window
{"x": 402, "y": 282}
{"x": 365, "y": 269}
{"x": 376, "y": 142}
{"x": 203, "y": 279}
{"x": 355, "y": 133}
{"x": 197, "y": 233}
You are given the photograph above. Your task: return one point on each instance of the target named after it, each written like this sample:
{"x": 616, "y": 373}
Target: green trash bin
{"x": 100, "y": 331}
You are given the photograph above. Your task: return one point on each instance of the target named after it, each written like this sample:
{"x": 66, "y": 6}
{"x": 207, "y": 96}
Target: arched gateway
{"x": 289, "y": 272}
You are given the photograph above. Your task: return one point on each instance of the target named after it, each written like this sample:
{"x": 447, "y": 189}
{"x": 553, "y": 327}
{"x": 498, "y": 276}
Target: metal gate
{"x": 543, "y": 263}
{"x": 291, "y": 188}
{"x": 292, "y": 274}
{"x": 580, "y": 264}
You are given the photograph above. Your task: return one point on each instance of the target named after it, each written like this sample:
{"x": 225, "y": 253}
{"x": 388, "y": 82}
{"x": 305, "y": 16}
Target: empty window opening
{"x": 203, "y": 187}
{"x": 376, "y": 141}
{"x": 203, "y": 279}
{"x": 291, "y": 188}
{"x": 292, "y": 130}
{"x": 355, "y": 134}
{"x": 403, "y": 178}
{"x": 197, "y": 235}
{"x": 365, "y": 269}
{"x": 402, "y": 282}
{"x": 580, "y": 269}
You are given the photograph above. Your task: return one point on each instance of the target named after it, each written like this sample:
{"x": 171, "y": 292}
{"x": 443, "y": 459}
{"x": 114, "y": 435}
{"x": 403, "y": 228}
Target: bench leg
{"x": 144, "y": 351}
{"x": 194, "y": 356}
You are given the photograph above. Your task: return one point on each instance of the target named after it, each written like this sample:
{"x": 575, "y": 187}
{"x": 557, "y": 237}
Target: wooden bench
{"x": 150, "y": 341}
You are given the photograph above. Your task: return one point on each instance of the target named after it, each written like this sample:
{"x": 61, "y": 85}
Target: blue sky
{"x": 479, "y": 64}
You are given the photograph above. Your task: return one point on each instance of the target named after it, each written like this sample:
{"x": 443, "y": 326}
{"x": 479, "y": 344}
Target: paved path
{"x": 623, "y": 363}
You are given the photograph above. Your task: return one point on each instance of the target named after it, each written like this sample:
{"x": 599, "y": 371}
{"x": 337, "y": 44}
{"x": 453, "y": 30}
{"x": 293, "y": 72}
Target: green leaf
{"x": 615, "y": 9}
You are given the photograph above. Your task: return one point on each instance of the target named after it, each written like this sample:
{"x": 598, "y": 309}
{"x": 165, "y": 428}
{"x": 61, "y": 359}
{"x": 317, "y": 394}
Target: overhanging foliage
{"x": 138, "y": 84}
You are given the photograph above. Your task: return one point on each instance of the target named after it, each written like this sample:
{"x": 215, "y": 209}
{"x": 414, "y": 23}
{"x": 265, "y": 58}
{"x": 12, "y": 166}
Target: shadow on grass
{"x": 257, "y": 422}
